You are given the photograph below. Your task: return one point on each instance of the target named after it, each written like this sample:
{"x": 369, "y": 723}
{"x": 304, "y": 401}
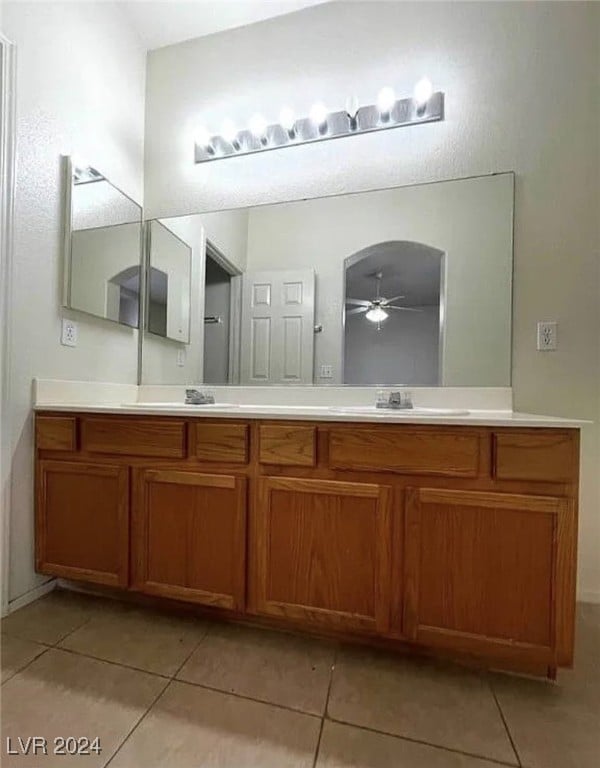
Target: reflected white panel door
{"x": 278, "y": 317}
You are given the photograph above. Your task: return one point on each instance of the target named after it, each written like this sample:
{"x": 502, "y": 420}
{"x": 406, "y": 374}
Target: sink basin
{"x": 372, "y": 410}
{"x": 182, "y": 406}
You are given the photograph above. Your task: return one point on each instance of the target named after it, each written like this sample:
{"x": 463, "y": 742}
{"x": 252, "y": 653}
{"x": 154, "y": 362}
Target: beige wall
{"x": 522, "y": 90}
{"x": 80, "y": 90}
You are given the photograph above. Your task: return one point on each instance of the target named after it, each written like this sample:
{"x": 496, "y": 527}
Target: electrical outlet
{"x": 69, "y": 333}
{"x": 181, "y": 357}
{"x": 547, "y": 336}
{"x": 326, "y": 372}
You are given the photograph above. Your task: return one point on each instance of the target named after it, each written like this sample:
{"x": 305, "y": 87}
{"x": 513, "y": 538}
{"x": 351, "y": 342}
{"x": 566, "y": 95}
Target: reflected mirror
{"x": 410, "y": 286}
{"x": 169, "y": 283}
{"x": 103, "y": 229}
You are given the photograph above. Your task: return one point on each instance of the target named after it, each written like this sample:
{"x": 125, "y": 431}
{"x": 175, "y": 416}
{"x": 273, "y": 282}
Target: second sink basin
{"x": 371, "y": 409}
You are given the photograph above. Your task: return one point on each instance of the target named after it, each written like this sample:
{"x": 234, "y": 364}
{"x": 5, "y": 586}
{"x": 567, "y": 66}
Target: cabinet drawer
{"x": 163, "y": 438}
{"x": 221, "y": 442}
{"x": 409, "y": 451}
{"x": 56, "y": 433}
{"x": 287, "y": 445}
{"x": 545, "y": 456}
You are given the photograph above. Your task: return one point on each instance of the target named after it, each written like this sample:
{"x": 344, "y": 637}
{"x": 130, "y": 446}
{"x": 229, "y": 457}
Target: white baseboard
{"x": 588, "y": 596}
{"x": 33, "y": 594}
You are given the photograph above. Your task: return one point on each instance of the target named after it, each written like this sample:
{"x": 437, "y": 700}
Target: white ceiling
{"x": 164, "y": 22}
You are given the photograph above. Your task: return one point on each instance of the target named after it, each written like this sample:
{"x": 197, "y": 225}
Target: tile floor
{"x": 162, "y": 691}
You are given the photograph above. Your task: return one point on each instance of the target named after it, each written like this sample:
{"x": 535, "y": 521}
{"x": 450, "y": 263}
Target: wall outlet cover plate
{"x": 69, "y": 333}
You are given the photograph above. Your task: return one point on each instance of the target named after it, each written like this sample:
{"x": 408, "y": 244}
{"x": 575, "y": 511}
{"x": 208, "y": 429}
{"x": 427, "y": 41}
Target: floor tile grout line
{"x": 503, "y": 718}
{"x": 413, "y": 740}
{"x": 138, "y": 723}
{"x": 73, "y": 652}
{"x": 173, "y": 678}
{"x": 24, "y": 667}
{"x": 191, "y": 653}
{"x": 324, "y": 715}
{"x": 249, "y": 698}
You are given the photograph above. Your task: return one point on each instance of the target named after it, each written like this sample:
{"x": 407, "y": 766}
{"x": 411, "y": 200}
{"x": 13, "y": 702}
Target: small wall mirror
{"x": 408, "y": 286}
{"x": 103, "y": 240}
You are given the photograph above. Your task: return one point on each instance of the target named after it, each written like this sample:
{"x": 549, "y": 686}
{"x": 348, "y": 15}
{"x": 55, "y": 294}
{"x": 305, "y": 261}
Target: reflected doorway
{"x": 220, "y": 318}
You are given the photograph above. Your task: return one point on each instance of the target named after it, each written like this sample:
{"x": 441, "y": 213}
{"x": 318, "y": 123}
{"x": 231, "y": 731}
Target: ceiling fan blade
{"x": 385, "y": 302}
{"x": 360, "y": 302}
{"x": 404, "y": 309}
{"x": 357, "y": 311}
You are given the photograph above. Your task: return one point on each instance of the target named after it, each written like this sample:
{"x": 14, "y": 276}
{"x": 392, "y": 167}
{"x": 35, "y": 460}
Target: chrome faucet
{"x": 395, "y": 401}
{"x": 195, "y": 397}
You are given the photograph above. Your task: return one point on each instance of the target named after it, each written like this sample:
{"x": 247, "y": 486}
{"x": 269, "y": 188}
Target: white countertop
{"x": 498, "y": 418}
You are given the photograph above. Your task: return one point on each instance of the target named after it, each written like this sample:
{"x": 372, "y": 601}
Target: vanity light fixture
{"x": 425, "y": 106}
{"x": 287, "y": 119}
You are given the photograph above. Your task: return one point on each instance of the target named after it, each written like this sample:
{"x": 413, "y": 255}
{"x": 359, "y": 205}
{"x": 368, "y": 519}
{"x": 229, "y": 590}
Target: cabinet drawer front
{"x": 409, "y": 451}
{"x": 134, "y": 437}
{"x": 287, "y": 445}
{"x": 55, "y": 433}
{"x": 221, "y": 442}
{"x": 544, "y": 456}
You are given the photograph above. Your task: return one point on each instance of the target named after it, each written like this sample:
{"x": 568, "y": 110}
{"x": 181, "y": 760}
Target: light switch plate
{"x": 181, "y": 357}
{"x": 547, "y": 339}
{"x": 68, "y": 335}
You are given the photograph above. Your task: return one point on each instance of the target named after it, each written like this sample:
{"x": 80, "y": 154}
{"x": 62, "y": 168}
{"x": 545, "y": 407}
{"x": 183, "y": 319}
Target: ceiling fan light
{"x": 377, "y": 315}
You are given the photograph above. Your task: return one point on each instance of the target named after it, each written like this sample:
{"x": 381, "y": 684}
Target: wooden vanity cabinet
{"x": 484, "y": 571}
{"x": 189, "y": 536}
{"x": 461, "y": 539}
{"x": 322, "y": 551}
{"x": 82, "y": 521}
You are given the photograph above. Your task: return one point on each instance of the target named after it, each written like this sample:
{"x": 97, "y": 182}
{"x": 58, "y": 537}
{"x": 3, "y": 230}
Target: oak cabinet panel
{"x": 448, "y": 452}
{"x": 56, "y": 433}
{"x": 322, "y": 550}
{"x": 226, "y": 443}
{"x": 287, "y": 445}
{"x": 537, "y": 456}
{"x": 481, "y": 571}
{"x": 161, "y": 438}
{"x": 82, "y": 526}
{"x": 189, "y": 536}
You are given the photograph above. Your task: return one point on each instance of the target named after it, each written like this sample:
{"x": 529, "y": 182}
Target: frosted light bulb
{"x": 229, "y": 131}
{"x": 352, "y": 105}
{"x": 386, "y": 98}
{"x": 287, "y": 118}
{"x": 318, "y": 114}
{"x": 377, "y": 315}
{"x": 258, "y": 126}
{"x": 202, "y": 137}
{"x": 423, "y": 91}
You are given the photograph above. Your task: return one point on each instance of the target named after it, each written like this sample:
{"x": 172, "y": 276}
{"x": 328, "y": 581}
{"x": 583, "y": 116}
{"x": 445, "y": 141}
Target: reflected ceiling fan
{"x": 376, "y": 310}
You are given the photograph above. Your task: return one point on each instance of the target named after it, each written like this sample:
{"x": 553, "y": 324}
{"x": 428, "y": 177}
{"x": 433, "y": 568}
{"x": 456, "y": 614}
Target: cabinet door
{"x": 82, "y": 521}
{"x": 482, "y": 571}
{"x": 189, "y": 536}
{"x": 322, "y": 552}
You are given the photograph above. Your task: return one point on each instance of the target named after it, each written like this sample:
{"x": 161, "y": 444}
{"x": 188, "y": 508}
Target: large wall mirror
{"x": 410, "y": 286}
{"x": 103, "y": 239}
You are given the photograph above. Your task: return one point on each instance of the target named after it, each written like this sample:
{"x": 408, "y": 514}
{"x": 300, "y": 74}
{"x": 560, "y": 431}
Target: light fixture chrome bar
{"x": 336, "y": 125}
